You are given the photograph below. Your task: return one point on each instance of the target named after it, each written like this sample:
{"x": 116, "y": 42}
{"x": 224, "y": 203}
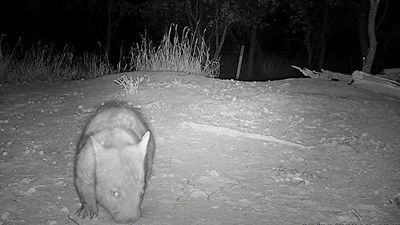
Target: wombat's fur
{"x": 113, "y": 163}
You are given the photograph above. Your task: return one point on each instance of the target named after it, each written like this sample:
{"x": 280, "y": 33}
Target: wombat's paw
{"x": 87, "y": 210}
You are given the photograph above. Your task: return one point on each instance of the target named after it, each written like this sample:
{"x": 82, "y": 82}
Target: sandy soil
{"x": 297, "y": 151}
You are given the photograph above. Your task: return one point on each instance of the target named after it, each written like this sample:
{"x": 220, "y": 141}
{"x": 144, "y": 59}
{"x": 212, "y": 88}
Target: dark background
{"x": 83, "y": 24}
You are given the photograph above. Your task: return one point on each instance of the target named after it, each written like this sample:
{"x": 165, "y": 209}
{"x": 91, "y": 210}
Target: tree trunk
{"x": 373, "y": 9}
{"x": 109, "y": 28}
{"x": 221, "y": 43}
{"x": 309, "y": 47}
{"x": 259, "y": 50}
{"x": 250, "y": 60}
{"x": 362, "y": 29}
{"x": 194, "y": 14}
{"x": 323, "y": 40}
{"x": 216, "y": 28}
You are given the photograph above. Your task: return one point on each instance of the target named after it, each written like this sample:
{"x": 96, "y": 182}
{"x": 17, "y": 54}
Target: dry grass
{"x": 130, "y": 83}
{"x": 180, "y": 53}
{"x": 41, "y": 62}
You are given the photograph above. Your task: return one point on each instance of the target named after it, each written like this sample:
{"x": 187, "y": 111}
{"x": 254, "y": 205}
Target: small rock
{"x": 65, "y": 210}
{"x": 5, "y": 153}
{"x": 59, "y": 183}
{"x": 26, "y": 180}
{"x": 244, "y": 202}
{"x": 344, "y": 148}
{"x": 30, "y": 191}
{"x": 213, "y": 173}
{"x": 51, "y": 222}
{"x": 5, "y": 215}
{"x": 197, "y": 194}
{"x": 203, "y": 180}
{"x": 347, "y": 219}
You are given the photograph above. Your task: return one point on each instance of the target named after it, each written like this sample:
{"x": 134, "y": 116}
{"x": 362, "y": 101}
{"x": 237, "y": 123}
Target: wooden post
{"x": 240, "y": 62}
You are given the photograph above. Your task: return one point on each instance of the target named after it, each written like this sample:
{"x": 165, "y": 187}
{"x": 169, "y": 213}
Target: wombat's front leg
{"x": 87, "y": 196}
{"x": 85, "y": 183}
{"x": 87, "y": 210}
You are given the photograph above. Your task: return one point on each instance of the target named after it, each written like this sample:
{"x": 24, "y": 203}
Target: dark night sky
{"x": 60, "y": 23}
{"x": 63, "y": 22}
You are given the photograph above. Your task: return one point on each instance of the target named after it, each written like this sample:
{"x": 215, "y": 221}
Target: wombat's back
{"x": 117, "y": 114}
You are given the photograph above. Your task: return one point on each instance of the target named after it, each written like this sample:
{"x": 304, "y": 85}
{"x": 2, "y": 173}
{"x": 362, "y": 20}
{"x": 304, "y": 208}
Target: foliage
{"x": 216, "y": 17}
{"x": 303, "y": 14}
{"x": 257, "y": 13}
{"x": 159, "y": 14}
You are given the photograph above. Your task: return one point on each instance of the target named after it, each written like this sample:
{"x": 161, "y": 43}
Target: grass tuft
{"x": 184, "y": 53}
{"x": 130, "y": 83}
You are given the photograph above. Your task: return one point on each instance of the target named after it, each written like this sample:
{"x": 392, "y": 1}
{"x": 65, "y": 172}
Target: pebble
{"x": 65, "y": 210}
{"x": 5, "y": 215}
{"x": 51, "y": 222}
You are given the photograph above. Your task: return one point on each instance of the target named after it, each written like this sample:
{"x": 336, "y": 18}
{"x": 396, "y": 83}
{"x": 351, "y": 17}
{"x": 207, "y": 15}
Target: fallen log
{"x": 377, "y": 84}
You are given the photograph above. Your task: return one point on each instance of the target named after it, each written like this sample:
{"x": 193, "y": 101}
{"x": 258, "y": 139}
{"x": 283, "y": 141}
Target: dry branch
{"x": 235, "y": 133}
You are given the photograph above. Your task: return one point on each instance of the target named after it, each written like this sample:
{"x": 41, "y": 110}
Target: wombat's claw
{"x": 85, "y": 211}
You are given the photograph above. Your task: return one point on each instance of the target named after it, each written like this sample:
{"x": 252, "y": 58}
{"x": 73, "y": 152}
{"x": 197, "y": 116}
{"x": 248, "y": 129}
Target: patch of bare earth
{"x": 286, "y": 152}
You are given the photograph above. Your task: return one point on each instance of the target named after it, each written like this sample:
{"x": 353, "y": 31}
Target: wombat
{"x": 113, "y": 162}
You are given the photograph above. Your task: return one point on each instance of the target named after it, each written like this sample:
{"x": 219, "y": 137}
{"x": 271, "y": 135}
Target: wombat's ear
{"x": 96, "y": 145}
{"x": 144, "y": 142}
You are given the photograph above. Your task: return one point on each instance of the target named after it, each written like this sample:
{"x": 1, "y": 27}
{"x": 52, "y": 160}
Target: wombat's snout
{"x": 127, "y": 218}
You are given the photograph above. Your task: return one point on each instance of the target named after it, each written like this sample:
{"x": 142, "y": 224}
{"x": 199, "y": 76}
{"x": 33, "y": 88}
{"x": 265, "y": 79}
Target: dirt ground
{"x": 298, "y": 151}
